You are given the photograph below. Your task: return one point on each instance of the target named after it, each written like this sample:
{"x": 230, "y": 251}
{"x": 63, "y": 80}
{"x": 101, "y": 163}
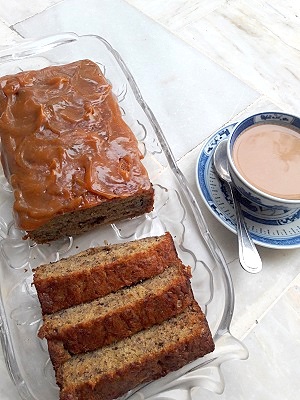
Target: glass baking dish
{"x": 175, "y": 211}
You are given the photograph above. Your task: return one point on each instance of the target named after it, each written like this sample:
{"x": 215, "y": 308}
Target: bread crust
{"x": 132, "y": 313}
{"x": 153, "y": 365}
{"x": 85, "y": 283}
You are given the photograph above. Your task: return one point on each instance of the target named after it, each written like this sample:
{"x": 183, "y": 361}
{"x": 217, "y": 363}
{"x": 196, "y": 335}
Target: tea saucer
{"x": 269, "y": 228}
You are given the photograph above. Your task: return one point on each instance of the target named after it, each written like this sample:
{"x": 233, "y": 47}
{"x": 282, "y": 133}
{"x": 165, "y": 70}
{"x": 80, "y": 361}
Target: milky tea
{"x": 268, "y": 157}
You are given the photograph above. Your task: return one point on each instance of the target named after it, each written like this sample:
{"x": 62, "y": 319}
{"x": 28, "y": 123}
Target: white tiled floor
{"x": 245, "y": 57}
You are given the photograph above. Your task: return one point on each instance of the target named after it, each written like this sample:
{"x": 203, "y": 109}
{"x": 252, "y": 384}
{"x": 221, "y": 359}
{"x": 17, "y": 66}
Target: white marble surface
{"x": 244, "y": 57}
{"x": 258, "y": 41}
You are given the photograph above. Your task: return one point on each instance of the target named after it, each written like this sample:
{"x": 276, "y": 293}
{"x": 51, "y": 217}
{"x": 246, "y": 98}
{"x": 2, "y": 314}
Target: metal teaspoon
{"x": 249, "y": 257}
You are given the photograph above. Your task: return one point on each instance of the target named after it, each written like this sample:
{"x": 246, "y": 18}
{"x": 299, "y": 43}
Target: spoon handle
{"x": 248, "y": 254}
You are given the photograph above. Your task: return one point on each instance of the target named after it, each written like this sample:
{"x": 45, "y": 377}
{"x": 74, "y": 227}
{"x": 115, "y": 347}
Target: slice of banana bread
{"x": 113, "y": 370}
{"x": 89, "y": 326}
{"x": 99, "y": 271}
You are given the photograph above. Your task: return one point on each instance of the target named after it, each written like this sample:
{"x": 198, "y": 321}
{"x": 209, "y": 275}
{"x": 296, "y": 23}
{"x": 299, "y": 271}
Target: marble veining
{"x": 14, "y": 11}
{"x": 251, "y": 48}
{"x": 7, "y": 35}
{"x": 260, "y": 40}
{"x": 174, "y": 14}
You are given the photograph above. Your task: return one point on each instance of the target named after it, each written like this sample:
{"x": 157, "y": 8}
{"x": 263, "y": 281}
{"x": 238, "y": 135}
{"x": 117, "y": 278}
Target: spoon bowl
{"x": 249, "y": 257}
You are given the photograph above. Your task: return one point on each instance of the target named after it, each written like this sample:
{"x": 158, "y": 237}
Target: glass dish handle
{"x": 30, "y": 47}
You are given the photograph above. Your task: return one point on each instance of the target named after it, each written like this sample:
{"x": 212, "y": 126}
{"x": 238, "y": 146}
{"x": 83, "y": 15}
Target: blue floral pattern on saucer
{"x": 268, "y": 227}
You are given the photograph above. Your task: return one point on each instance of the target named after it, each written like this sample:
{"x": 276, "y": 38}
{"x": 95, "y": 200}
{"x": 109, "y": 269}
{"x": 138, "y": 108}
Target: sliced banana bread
{"x": 99, "y": 271}
{"x": 89, "y": 326}
{"x": 113, "y": 370}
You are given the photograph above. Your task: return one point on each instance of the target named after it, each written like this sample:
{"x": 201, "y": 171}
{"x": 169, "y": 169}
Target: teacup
{"x": 264, "y": 159}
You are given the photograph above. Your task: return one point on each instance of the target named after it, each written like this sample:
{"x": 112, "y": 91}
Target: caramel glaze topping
{"x": 64, "y": 143}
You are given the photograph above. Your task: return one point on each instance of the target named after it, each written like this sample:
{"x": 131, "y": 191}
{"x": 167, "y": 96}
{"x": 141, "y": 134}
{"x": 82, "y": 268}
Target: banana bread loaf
{"x": 99, "y": 271}
{"x": 71, "y": 160}
{"x": 113, "y": 370}
{"x": 89, "y": 326}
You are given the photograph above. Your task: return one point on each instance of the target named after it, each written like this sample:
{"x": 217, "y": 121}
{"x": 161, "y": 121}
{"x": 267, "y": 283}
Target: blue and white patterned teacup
{"x": 247, "y": 189}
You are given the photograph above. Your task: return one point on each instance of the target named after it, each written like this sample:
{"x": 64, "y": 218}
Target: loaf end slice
{"x": 79, "y": 221}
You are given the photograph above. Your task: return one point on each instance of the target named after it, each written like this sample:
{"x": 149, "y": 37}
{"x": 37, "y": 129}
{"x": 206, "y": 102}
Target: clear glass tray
{"x": 175, "y": 210}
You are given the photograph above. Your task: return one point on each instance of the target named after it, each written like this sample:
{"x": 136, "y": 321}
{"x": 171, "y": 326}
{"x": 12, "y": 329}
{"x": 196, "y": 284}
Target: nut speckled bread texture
{"x": 89, "y": 326}
{"x": 72, "y": 161}
{"x": 135, "y": 332}
{"x": 112, "y": 371}
{"x": 99, "y": 271}
{"x": 79, "y": 221}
